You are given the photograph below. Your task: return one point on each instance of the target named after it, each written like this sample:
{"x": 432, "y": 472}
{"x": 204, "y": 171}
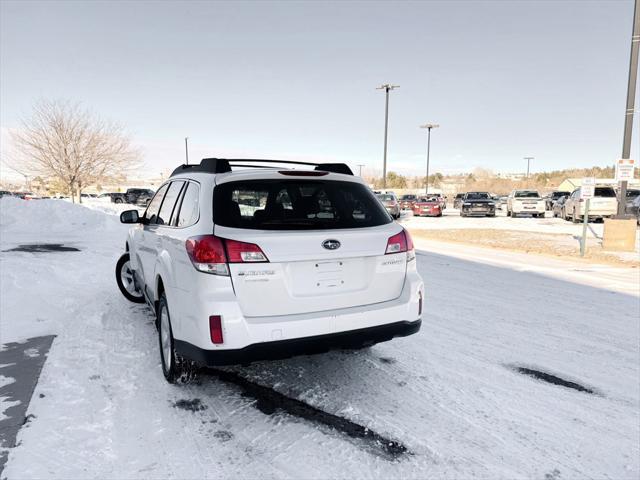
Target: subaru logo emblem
{"x": 331, "y": 244}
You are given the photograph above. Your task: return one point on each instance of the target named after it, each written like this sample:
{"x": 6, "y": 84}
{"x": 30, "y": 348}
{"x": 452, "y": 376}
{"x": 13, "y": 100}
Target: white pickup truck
{"x": 525, "y": 201}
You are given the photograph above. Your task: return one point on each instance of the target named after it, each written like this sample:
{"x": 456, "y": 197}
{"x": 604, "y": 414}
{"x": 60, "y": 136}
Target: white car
{"x": 261, "y": 263}
{"x": 604, "y": 204}
{"x": 525, "y": 201}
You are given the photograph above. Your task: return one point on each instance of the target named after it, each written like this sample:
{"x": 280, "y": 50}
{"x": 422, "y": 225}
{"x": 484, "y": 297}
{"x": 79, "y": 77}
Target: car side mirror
{"x": 130, "y": 216}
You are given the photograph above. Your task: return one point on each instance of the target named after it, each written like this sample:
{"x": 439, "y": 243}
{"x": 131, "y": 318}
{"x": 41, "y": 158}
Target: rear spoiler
{"x": 223, "y": 165}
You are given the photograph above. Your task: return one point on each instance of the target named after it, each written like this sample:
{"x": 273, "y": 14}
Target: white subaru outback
{"x": 264, "y": 263}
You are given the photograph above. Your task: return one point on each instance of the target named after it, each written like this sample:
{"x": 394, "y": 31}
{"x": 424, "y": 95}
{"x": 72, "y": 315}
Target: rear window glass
{"x": 530, "y": 194}
{"x": 605, "y": 192}
{"x": 385, "y": 198}
{"x": 477, "y": 196}
{"x": 296, "y": 205}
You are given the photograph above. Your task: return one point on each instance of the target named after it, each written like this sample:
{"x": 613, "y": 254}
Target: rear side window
{"x": 164, "y": 216}
{"x": 189, "y": 210}
{"x": 605, "y": 192}
{"x": 296, "y": 205}
{"x": 151, "y": 213}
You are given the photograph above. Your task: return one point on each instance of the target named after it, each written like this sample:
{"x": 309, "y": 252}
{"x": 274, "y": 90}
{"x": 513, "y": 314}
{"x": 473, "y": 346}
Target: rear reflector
{"x": 215, "y": 327}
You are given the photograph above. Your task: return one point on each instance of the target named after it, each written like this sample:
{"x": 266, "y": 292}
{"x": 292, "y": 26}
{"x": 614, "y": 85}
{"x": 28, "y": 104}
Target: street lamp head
{"x": 387, "y": 86}
{"x": 430, "y": 125}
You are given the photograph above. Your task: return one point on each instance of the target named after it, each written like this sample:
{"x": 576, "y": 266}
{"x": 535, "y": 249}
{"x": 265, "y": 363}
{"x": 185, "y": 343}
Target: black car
{"x": 138, "y": 196}
{"x": 558, "y": 207}
{"x": 114, "y": 197}
{"x": 477, "y": 203}
{"x": 554, "y": 197}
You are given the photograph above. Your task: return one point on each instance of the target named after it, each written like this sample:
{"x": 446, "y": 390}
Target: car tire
{"x": 117, "y": 200}
{"x": 175, "y": 368}
{"x": 126, "y": 280}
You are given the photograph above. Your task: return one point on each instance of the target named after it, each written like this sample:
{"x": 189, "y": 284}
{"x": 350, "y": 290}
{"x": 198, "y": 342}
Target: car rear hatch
{"x": 324, "y": 244}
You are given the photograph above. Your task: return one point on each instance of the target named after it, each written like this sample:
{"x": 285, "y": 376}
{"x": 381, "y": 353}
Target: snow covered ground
{"x": 451, "y": 394}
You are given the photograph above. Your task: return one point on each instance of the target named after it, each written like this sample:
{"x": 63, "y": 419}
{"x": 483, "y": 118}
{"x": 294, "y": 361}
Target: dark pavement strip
{"x": 23, "y": 363}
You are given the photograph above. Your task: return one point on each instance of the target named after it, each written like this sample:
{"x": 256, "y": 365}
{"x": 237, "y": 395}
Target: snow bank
{"x": 51, "y": 216}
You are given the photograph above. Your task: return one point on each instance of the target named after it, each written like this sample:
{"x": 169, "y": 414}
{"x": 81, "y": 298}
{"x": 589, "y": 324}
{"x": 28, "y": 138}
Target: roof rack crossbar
{"x": 223, "y": 165}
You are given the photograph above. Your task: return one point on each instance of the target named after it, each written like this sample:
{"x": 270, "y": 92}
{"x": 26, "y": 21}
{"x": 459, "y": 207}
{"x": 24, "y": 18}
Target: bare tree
{"x": 64, "y": 142}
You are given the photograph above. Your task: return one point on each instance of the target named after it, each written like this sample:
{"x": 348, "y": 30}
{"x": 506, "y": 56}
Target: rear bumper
{"x": 280, "y": 349}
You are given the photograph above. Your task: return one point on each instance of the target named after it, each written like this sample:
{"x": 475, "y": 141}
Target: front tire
{"x": 126, "y": 280}
{"x": 175, "y": 368}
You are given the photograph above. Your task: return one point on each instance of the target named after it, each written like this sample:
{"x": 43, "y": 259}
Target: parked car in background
{"x": 632, "y": 193}
{"x": 604, "y": 204}
{"x": 553, "y": 197}
{"x": 26, "y": 195}
{"x": 500, "y": 201}
{"x": 138, "y": 196}
{"x": 112, "y": 197}
{"x": 440, "y": 198}
{"x": 457, "y": 201}
{"x": 633, "y": 208}
{"x": 5, "y": 193}
{"x": 390, "y": 203}
{"x": 525, "y": 201}
{"x": 477, "y": 204}
{"x": 427, "y": 207}
{"x": 407, "y": 201}
{"x": 558, "y": 207}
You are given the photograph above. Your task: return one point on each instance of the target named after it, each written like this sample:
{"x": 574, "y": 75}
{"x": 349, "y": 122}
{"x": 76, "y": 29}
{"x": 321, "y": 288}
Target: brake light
{"x": 215, "y": 328}
{"x": 211, "y": 254}
{"x": 240, "y": 252}
{"x": 303, "y": 173}
{"x": 401, "y": 242}
{"x": 207, "y": 254}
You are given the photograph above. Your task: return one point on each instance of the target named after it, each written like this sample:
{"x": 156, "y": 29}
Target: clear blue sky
{"x": 505, "y": 79}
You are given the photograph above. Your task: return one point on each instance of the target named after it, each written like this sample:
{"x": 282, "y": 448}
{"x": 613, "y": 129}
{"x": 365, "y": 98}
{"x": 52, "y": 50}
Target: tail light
{"x": 211, "y": 254}
{"x": 401, "y": 242}
{"x": 215, "y": 329}
{"x": 240, "y": 252}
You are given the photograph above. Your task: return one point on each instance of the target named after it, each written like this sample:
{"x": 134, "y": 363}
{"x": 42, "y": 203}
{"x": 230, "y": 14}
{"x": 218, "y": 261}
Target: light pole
{"x": 428, "y": 126}
{"x": 387, "y": 87}
{"x": 528, "y": 159}
{"x": 360, "y": 165}
{"x": 631, "y": 98}
{"x": 186, "y": 149}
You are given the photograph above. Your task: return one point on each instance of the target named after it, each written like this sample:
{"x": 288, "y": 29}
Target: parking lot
{"x": 547, "y": 236}
{"x": 514, "y": 373}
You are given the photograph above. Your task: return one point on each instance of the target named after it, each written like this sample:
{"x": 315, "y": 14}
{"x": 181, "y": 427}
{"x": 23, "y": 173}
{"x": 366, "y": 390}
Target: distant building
{"x": 570, "y": 184}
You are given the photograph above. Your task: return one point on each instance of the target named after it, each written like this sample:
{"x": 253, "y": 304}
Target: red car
{"x": 407, "y": 201}
{"x": 428, "y": 207}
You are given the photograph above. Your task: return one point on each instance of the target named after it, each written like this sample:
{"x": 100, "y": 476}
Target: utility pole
{"x": 528, "y": 159}
{"x": 428, "y": 126}
{"x": 631, "y": 98}
{"x": 387, "y": 87}
{"x": 186, "y": 149}
{"x": 360, "y": 165}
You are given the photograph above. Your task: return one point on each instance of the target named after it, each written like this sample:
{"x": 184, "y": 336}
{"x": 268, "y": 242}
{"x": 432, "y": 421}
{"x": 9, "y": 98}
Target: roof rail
{"x": 223, "y": 165}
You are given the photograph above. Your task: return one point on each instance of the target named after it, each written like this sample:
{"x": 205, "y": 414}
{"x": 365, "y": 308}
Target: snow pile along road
{"x": 487, "y": 389}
